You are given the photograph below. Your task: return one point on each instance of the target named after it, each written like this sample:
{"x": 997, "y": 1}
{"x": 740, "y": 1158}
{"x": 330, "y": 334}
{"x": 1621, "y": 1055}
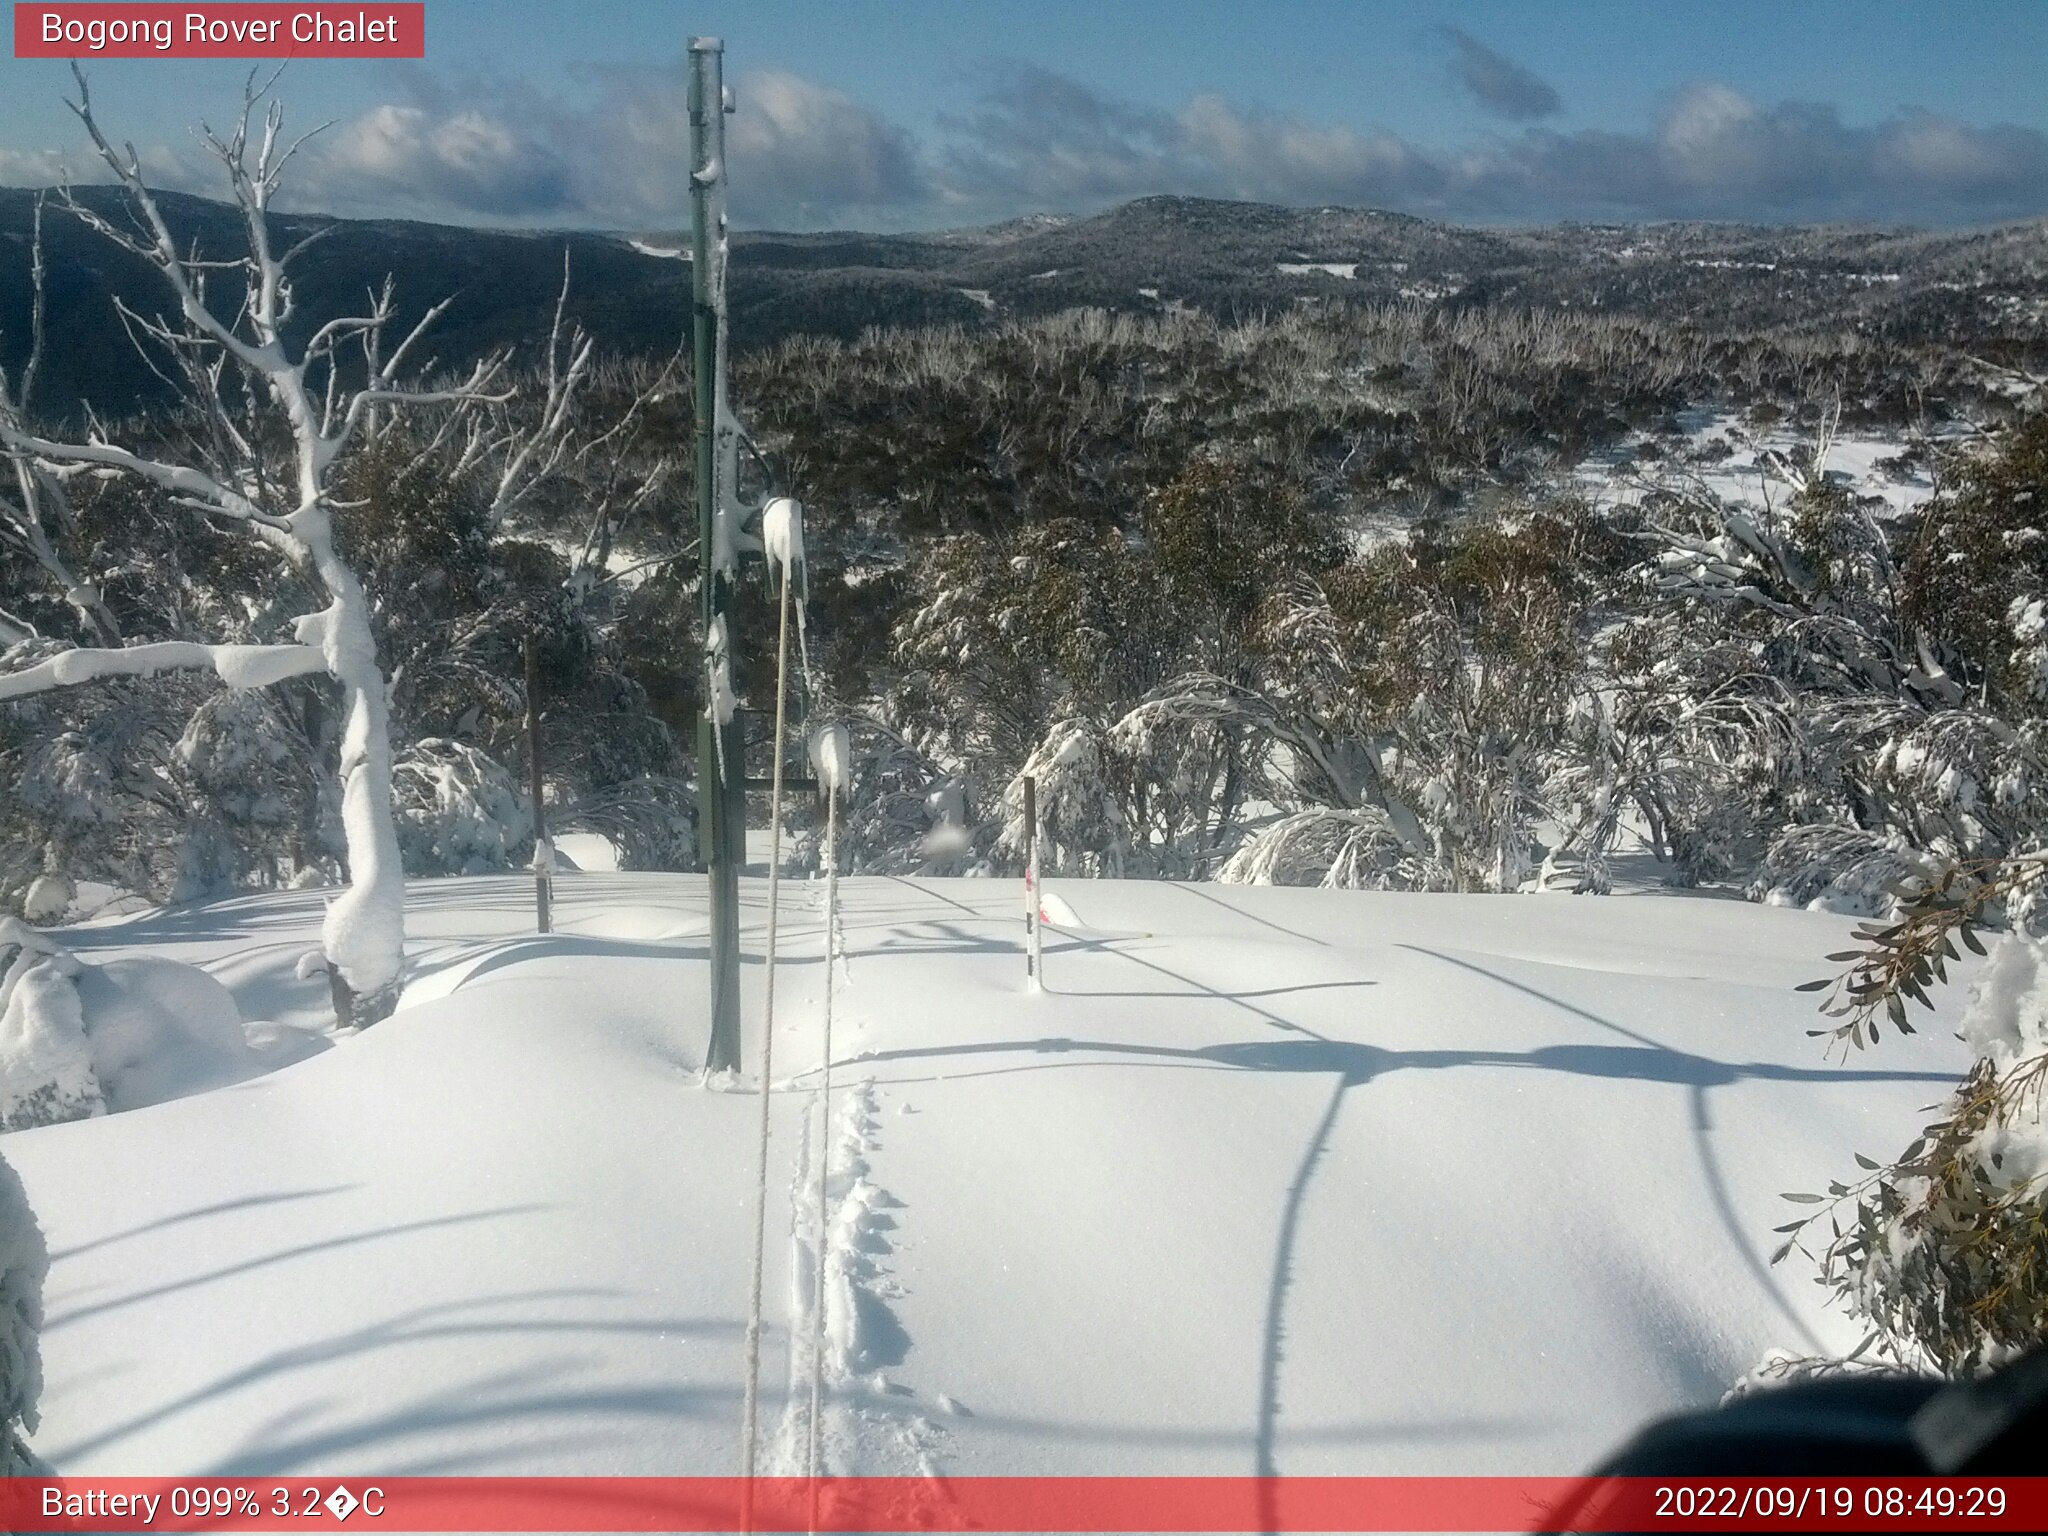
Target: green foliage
{"x": 1215, "y": 538}
{"x": 1977, "y": 549}
{"x": 1898, "y": 961}
{"x": 1944, "y": 1251}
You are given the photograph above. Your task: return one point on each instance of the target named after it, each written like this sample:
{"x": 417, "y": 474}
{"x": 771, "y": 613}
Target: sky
{"x": 909, "y": 114}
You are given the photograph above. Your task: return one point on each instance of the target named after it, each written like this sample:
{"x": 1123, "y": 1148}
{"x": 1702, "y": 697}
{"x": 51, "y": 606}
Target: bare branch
{"x": 192, "y": 484}
{"x": 36, "y": 312}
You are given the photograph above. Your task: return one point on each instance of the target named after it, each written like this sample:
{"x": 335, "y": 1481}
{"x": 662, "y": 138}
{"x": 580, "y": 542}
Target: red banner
{"x": 1033, "y": 1504}
{"x": 216, "y": 31}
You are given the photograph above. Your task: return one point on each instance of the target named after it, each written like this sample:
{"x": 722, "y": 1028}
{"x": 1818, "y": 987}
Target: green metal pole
{"x": 716, "y": 797}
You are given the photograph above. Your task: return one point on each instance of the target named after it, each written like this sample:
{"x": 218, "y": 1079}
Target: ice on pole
{"x": 782, "y": 534}
{"x": 831, "y": 752}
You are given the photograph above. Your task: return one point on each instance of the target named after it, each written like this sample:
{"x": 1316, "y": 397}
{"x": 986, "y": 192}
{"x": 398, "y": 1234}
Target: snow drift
{"x": 78, "y": 1040}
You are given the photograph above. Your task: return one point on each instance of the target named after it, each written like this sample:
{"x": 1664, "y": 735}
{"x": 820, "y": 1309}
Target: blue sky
{"x": 919, "y": 113}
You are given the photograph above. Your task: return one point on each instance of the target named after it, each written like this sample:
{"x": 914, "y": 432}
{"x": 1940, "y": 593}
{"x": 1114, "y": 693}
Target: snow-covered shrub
{"x": 172, "y": 787}
{"x": 79, "y": 1040}
{"x": 1002, "y": 637}
{"x": 651, "y": 820}
{"x": 1831, "y": 868}
{"x": 46, "y": 1061}
{"x": 1943, "y": 1251}
{"x": 1685, "y": 735}
{"x": 24, "y": 1262}
{"x": 1787, "y": 1368}
{"x": 85, "y": 780}
{"x": 1434, "y": 680}
{"x": 1978, "y": 560}
{"x": 1935, "y": 750}
{"x": 1338, "y": 850}
{"x": 1081, "y": 828}
{"x": 894, "y": 819}
{"x": 262, "y": 806}
{"x": 460, "y": 812}
{"x": 1188, "y": 756}
{"x": 47, "y": 897}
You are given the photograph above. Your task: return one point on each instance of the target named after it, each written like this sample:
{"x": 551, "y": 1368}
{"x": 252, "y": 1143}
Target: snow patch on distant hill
{"x": 1728, "y": 456}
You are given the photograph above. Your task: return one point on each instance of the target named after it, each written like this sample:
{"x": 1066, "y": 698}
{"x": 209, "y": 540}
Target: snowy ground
{"x": 1267, "y": 1180}
{"x": 1720, "y": 453}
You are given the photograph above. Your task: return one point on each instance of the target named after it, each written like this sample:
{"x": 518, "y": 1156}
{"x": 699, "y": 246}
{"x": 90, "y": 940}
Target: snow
{"x": 161, "y": 1030}
{"x": 239, "y": 666}
{"x": 721, "y": 703}
{"x": 832, "y": 758}
{"x": 78, "y": 1039}
{"x": 1346, "y": 269}
{"x": 1719, "y": 453}
{"x": 46, "y": 1066}
{"x": 577, "y": 851}
{"x": 782, "y": 534}
{"x": 47, "y": 898}
{"x": 1313, "y": 1181}
{"x": 2007, "y": 1021}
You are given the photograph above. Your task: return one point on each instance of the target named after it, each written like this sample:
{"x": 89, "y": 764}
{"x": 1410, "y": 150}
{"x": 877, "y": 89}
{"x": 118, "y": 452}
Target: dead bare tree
{"x": 231, "y": 480}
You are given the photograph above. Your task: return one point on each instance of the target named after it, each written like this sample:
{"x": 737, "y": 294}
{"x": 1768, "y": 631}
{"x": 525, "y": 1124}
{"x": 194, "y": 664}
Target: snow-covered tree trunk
{"x": 364, "y": 933}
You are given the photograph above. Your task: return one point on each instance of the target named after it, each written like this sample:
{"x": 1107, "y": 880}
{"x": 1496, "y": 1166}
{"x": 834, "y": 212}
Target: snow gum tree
{"x": 1943, "y": 1250}
{"x": 281, "y": 417}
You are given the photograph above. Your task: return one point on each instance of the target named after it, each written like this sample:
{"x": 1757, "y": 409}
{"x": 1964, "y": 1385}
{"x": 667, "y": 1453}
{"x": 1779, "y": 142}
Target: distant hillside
{"x": 1983, "y": 288}
{"x": 505, "y": 286}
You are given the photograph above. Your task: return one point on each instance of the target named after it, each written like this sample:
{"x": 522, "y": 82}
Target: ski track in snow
{"x": 869, "y": 1423}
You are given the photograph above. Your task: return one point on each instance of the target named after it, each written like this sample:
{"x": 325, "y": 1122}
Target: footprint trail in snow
{"x": 869, "y": 1424}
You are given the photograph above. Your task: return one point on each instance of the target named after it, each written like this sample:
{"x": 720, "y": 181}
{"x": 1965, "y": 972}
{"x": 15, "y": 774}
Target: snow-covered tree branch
{"x": 239, "y": 666}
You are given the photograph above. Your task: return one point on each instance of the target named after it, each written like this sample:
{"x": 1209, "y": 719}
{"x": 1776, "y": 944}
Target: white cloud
{"x": 810, "y": 149}
{"x": 800, "y": 152}
{"x": 408, "y": 158}
{"x": 30, "y": 167}
{"x": 1282, "y": 159}
{"x": 1044, "y": 141}
{"x": 161, "y": 165}
{"x": 803, "y": 154}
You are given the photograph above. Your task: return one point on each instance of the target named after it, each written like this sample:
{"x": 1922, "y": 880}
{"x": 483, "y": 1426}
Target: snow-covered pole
{"x": 1034, "y": 960}
{"x": 543, "y": 850}
{"x": 718, "y": 797}
{"x": 831, "y": 760}
{"x": 749, "y": 1428}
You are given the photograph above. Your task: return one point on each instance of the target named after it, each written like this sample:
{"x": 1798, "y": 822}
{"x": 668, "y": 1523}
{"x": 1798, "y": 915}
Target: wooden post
{"x": 1034, "y": 959}
{"x": 543, "y": 850}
